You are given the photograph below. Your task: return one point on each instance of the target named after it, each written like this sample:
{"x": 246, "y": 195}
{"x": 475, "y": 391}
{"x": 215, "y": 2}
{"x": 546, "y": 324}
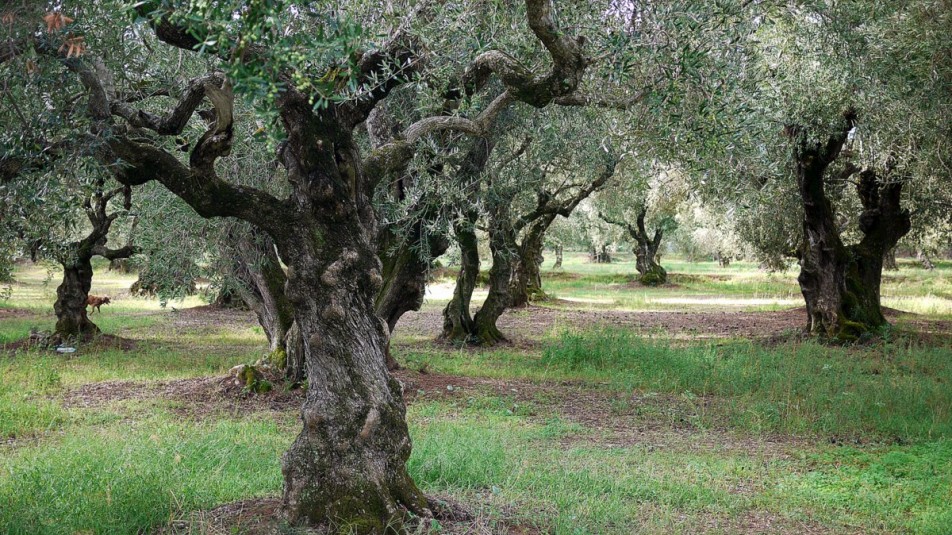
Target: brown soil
{"x": 39, "y": 341}
{"x": 262, "y": 516}
{"x": 534, "y": 322}
{"x": 197, "y": 398}
{"x": 528, "y": 325}
{"x": 11, "y": 313}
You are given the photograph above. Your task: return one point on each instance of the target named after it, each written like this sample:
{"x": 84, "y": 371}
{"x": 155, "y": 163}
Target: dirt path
{"x": 533, "y": 323}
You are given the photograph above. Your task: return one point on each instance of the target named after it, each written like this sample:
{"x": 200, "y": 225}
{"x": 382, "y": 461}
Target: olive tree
{"x": 321, "y": 78}
{"x": 834, "y": 144}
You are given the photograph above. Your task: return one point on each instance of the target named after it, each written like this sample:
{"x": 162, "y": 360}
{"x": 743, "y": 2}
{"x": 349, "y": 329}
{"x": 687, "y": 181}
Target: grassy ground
{"x": 575, "y": 428}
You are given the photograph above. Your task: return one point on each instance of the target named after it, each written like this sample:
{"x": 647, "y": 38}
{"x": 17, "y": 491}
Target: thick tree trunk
{"x": 646, "y": 252}
{"x": 70, "y": 306}
{"x": 924, "y": 260}
{"x": 650, "y": 271}
{"x": 347, "y": 468}
{"x": 822, "y": 260}
{"x": 458, "y": 322}
{"x": 883, "y": 223}
{"x": 840, "y": 284}
{"x": 558, "y": 257}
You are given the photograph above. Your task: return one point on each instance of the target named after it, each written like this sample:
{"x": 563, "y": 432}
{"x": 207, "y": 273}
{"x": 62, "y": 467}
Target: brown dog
{"x": 96, "y": 301}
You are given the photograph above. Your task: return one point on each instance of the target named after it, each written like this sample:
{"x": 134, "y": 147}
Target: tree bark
{"x": 71, "y": 319}
{"x": 505, "y": 252}
{"x": 348, "y": 465}
{"x": 527, "y": 279}
{"x": 840, "y": 284}
{"x": 558, "y": 257}
{"x": 924, "y": 260}
{"x": 457, "y": 319}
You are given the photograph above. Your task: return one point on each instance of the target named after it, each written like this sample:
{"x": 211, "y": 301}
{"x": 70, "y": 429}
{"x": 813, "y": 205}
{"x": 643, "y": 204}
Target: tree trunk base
{"x": 654, "y": 276}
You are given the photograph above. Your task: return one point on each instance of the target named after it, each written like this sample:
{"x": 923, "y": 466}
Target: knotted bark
{"x": 840, "y": 283}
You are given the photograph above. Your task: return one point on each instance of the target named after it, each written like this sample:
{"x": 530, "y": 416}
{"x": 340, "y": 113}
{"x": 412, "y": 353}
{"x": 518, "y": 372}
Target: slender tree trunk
{"x": 558, "y": 257}
{"x": 599, "y": 255}
{"x": 924, "y": 260}
{"x": 70, "y": 306}
{"x": 502, "y": 243}
{"x": 527, "y": 279}
{"x": 405, "y": 270}
{"x": 261, "y": 284}
{"x": 457, "y": 319}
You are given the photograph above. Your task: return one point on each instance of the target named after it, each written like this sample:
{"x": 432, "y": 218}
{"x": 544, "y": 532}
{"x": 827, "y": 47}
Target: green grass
{"x": 906, "y": 489}
{"x": 698, "y": 436}
{"x": 127, "y": 478}
{"x": 897, "y": 390}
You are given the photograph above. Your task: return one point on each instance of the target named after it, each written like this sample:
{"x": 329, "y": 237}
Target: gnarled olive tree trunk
{"x": 458, "y": 323}
{"x": 841, "y": 284}
{"x": 348, "y": 465}
{"x": 457, "y": 319}
{"x": 72, "y": 321}
{"x": 527, "y": 280}
{"x": 646, "y": 248}
{"x": 505, "y": 252}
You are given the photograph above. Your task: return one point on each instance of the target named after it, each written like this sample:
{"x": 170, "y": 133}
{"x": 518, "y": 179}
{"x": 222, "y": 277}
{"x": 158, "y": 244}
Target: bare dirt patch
{"x": 525, "y": 327}
{"x": 536, "y": 321}
{"x": 8, "y": 313}
{"x": 212, "y": 317}
{"x": 197, "y": 398}
{"x": 262, "y": 516}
